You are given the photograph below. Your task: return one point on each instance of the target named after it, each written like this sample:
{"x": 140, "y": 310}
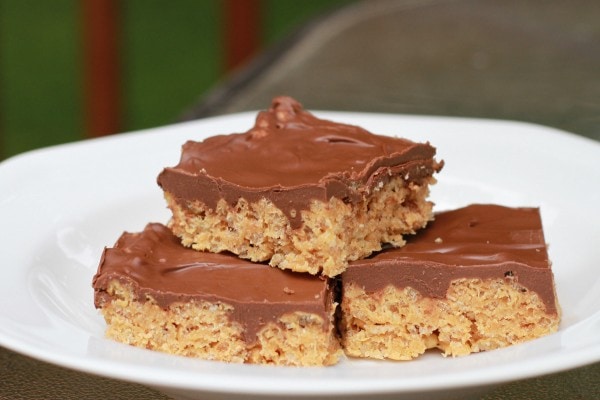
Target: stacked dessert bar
{"x": 303, "y": 239}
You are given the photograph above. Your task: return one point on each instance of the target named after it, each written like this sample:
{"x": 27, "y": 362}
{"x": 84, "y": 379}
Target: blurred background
{"x": 73, "y": 69}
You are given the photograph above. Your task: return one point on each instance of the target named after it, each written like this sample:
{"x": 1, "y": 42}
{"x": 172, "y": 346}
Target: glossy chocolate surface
{"x": 292, "y": 157}
{"x": 479, "y": 241}
{"x": 155, "y": 264}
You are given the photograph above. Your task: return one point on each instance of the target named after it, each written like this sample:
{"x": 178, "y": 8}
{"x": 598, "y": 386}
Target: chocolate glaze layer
{"x": 291, "y": 157}
{"x": 479, "y": 241}
{"x": 155, "y": 264}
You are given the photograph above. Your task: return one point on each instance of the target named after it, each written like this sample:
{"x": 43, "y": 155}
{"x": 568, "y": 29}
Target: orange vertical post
{"x": 101, "y": 67}
{"x": 242, "y": 23}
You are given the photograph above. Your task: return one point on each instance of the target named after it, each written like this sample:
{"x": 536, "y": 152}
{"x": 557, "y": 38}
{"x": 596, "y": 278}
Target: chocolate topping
{"x": 478, "y": 241}
{"x": 155, "y": 264}
{"x": 291, "y": 157}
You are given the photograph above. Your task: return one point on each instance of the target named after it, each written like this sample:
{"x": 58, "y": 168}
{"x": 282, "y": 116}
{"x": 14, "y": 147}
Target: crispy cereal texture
{"x": 204, "y": 330}
{"x": 476, "y": 315}
{"x": 332, "y": 233}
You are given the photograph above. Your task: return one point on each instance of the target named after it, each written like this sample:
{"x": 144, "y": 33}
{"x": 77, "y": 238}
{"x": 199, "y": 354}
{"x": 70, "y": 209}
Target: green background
{"x": 171, "y": 54}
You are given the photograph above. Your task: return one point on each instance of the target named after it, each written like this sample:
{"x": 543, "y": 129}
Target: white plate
{"x": 60, "y": 206}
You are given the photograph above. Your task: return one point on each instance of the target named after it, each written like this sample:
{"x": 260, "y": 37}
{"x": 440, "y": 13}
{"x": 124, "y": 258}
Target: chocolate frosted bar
{"x": 299, "y": 192}
{"x": 475, "y": 279}
{"x": 156, "y": 294}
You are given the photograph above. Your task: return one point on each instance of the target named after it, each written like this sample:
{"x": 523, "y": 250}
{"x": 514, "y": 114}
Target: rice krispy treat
{"x": 477, "y": 278}
{"x": 156, "y": 294}
{"x": 302, "y": 193}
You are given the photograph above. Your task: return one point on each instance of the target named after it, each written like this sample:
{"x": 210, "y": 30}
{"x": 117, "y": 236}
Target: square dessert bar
{"x": 156, "y": 294}
{"x": 477, "y": 278}
{"x": 300, "y": 192}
